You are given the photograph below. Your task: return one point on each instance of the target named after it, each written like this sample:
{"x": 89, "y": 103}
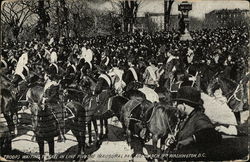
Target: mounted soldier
{"x": 131, "y": 74}
{"x": 193, "y": 75}
{"x": 169, "y": 68}
{"x": 21, "y": 71}
{"x": 52, "y": 100}
{"x": 117, "y": 80}
{"x": 21, "y": 76}
{"x": 150, "y": 78}
{"x": 87, "y": 54}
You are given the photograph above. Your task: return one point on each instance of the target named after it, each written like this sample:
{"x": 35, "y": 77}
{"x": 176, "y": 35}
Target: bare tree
{"x": 44, "y": 18}
{"x": 81, "y": 17}
{"x": 128, "y": 11}
{"x": 15, "y": 14}
{"x": 167, "y": 12}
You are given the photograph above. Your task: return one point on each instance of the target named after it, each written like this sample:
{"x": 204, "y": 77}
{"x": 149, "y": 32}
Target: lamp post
{"x": 184, "y": 7}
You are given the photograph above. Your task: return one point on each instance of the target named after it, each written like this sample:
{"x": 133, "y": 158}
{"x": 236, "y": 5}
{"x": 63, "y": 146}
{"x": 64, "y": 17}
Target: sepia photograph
{"x": 124, "y": 80}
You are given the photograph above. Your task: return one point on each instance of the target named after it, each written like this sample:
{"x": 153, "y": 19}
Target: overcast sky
{"x": 200, "y": 7}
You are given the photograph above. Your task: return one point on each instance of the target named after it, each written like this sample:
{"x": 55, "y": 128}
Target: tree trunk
{"x": 16, "y": 32}
{"x": 42, "y": 22}
{"x": 167, "y": 11}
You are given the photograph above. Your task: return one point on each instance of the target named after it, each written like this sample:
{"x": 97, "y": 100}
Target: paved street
{"x": 114, "y": 148}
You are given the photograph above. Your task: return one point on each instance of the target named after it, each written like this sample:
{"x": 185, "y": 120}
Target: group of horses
{"x": 74, "y": 109}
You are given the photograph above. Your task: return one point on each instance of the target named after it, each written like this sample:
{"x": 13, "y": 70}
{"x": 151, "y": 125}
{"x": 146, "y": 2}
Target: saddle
{"x": 103, "y": 101}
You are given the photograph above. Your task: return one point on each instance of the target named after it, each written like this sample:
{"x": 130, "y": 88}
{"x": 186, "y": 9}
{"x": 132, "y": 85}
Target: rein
{"x": 237, "y": 89}
{"x": 234, "y": 94}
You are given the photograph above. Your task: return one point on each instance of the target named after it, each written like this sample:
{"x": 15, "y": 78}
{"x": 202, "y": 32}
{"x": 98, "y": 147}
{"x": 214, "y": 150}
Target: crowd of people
{"x": 158, "y": 54}
{"x": 155, "y": 59}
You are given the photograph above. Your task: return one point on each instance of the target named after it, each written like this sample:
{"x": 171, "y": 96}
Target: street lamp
{"x": 185, "y": 7}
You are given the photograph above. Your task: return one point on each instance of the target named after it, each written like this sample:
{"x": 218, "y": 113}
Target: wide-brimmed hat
{"x": 189, "y": 95}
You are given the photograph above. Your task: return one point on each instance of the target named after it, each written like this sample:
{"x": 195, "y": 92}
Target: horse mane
{"x": 5, "y": 92}
{"x": 124, "y": 99}
{"x": 5, "y": 80}
{"x": 230, "y": 82}
{"x": 135, "y": 93}
{"x": 166, "y": 108}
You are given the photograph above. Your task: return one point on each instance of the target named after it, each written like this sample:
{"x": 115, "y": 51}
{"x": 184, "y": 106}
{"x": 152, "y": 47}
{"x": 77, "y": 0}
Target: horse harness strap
{"x": 171, "y": 131}
{"x": 110, "y": 100}
{"x": 153, "y": 107}
{"x": 177, "y": 85}
{"x": 130, "y": 116}
{"x": 234, "y": 94}
{"x": 71, "y": 113}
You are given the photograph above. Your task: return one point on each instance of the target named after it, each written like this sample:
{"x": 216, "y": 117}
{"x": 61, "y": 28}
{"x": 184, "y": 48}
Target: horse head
{"x": 88, "y": 83}
{"x": 35, "y": 96}
{"x": 212, "y": 86}
{"x": 219, "y": 81}
{"x": 133, "y": 86}
{"x": 135, "y": 94}
{"x": 35, "y": 109}
{"x": 52, "y": 93}
{"x": 8, "y": 108}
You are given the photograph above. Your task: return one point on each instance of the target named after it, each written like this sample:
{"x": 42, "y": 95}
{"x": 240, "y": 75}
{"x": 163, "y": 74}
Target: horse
{"x": 104, "y": 111}
{"x": 9, "y": 109}
{"x": 8, "y": 94}
{"x": 99, "y": 102}
{"x": 162, "y": 120}
{"x": 84, "y": 95}
{"x": 5, "y": 137}
{"x": 132, "y": 118}
{"x": 231, "y": 90}
{"x": 8, "y": 127}
{"x": 142, "y": 117}
{"x": 46, "y": 123}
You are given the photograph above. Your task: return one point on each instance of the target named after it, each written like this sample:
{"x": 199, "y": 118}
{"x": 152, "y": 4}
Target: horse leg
{"x": 51, "y": 144}
{"x": 106, "y": 127}
{"x": 101, "y": 127}
{"x": 14, "y": 118}
{"x": 154, "y": 141}
{"x": 96, "y": 132}
{"x": 41, "y": 148}
{"x": 89, "y": 132}
{"x": 123, "y": 129}
{"x": 128, "y": 133}
{"x": 162, "y": 147}
{"x": 143, "y": 146}
{"x": 238, "y": 118}
{"x": 81, "y": 148}
{"x": 10, "y": 123}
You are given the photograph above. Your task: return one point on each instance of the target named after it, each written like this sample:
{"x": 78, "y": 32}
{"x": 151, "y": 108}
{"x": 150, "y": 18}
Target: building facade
{"x": 155, "y": 22}
{"x": 227, "y": 18}
{"x": 158, "y": 20}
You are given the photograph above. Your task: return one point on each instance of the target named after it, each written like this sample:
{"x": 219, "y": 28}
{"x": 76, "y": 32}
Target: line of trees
{"x": 71, "y": 17}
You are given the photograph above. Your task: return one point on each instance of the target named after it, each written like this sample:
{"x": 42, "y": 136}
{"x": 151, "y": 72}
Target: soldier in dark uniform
{"x": 104, "y": 81}
{"x": 131, "y": 74}
{"x": 103, "y": 92}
